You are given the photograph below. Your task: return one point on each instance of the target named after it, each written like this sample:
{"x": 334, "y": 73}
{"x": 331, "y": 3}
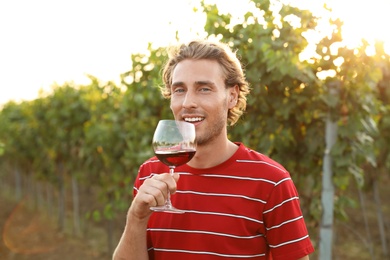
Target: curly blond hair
{"x": 220, "y": 52}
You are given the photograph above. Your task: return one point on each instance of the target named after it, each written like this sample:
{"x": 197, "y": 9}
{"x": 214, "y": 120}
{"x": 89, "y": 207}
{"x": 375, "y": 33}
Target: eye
{"x": 205, "y": 89}
{"x": 178, "y": 90}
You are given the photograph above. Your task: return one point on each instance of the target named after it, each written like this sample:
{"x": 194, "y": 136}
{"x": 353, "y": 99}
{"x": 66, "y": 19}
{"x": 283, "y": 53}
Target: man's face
{"x": 199, "y": 96}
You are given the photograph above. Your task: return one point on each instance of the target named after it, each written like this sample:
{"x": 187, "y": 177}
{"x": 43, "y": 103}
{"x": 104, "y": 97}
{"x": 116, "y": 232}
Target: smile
{"x": 193, "y": 119}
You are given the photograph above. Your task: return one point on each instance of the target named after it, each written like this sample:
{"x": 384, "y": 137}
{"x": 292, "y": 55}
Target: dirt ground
{"x": 29, "y": 234}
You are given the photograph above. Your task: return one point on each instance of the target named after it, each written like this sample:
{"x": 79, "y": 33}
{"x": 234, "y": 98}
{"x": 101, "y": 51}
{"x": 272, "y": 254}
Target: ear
{"x": 233, "y": 96}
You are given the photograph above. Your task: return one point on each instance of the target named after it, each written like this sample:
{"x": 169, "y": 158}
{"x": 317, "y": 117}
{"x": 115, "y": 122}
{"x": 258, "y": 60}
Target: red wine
{"x": 175, "y": 158}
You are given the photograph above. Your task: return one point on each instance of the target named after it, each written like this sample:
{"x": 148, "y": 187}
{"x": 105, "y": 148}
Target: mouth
{"x": 193, "y": 119}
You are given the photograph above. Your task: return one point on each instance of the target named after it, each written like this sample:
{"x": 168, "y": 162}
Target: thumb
{"x": 176, "y": 176}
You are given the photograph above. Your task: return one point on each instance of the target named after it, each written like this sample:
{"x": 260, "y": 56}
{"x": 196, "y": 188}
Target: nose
{"x": 189, "y": 100}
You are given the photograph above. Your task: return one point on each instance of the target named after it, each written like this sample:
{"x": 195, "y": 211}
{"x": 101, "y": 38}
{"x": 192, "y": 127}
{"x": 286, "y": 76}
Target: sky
{"x": 43, "y": 42}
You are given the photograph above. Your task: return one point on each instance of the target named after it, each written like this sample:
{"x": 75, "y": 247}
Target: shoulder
{"x": 256, "y": 161}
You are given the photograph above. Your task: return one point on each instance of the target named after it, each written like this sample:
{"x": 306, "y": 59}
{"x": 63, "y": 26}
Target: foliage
{"x": 101, "y": 132}
{"x": 1, "y": 149}
{"x": 285, "y": 113}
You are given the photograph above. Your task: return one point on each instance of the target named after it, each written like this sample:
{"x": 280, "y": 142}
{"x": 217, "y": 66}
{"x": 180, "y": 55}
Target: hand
{"x": 153, "y": 192}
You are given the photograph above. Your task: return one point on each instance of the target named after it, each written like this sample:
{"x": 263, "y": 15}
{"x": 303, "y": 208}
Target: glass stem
{"x": 168, "y": 202}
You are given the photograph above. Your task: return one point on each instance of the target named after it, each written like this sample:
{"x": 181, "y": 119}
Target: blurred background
{"x": 79, "y": 102}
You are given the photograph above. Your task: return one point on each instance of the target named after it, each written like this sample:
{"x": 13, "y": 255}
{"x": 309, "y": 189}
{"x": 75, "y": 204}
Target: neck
{"x": 213, "y": 154}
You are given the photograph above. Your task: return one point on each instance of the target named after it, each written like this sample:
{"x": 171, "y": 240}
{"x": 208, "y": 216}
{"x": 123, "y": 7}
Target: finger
{"x": 140, "y": 207}
{"x": 144, "y": 199}
{"x": 159, "y": 192}
{"x": 176, "y": 176}
{"x": 156, "y": 187}
{"x": 169, "y": 180}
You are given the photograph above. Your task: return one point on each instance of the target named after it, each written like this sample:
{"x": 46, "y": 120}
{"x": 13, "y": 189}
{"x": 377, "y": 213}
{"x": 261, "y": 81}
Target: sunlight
{"x": 362, "y": 19}
{"x": 46, "y": 42}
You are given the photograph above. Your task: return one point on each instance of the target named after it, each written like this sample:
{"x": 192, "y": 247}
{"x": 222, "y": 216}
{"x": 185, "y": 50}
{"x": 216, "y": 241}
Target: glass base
{"x": 167, "y": 209}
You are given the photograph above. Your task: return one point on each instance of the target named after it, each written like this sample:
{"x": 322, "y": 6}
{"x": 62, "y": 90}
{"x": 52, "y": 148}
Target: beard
{"x": 215, "y": 129}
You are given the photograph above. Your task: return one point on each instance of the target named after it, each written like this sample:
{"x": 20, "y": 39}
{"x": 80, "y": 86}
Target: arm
{"x": 132, "y": 244}
{"x": 290, "y": 241}
{"x": 153, "y": 192}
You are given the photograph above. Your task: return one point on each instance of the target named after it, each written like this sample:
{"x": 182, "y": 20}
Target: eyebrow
{"x": 197, "y": 83}
{"x": 204, "y": 82}
{"x": 178, "y": 83}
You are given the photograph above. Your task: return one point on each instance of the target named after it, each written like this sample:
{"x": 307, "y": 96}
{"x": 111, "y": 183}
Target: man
{"x": 238, "y": 203}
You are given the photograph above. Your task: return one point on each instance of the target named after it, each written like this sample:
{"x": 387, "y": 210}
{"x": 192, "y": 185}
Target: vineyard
{"x": 68, "y": 158}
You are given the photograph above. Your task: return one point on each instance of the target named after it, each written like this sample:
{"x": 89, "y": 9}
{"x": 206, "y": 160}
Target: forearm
{"x": 153, "y": 192}
{"x": 132, "y": 244}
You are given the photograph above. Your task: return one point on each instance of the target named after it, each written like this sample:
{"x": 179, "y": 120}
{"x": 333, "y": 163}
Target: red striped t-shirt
{"x": 244, "y": 208}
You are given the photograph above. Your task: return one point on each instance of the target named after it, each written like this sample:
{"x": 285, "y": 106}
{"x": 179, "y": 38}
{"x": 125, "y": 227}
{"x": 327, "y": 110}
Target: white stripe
{"x": 214, "y": 194}
{"x": 203, "y": 232}
{"x": 223, "y": 176}
{"x": 149, "y": 176}
{"x": 290, "y": 199}
{"x": 286, "y": 222}
{"x": 206, "y": 253}
{"x": 220, "y": 194}
{"x": 282, "y": 180}
{"x": 289, "y": 242}
{"x": 223, "y": 214}
{"x": 153, "y": 173}
{"x": 262, "y": 162}
{"x": 150, "y": 161}
{"x": 237, "y": 177}
{"x": 146, "y": 177}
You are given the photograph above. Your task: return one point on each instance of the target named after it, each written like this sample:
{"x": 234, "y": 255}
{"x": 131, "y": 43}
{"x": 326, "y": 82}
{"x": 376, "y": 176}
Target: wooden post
{"x": 327, "y": 195}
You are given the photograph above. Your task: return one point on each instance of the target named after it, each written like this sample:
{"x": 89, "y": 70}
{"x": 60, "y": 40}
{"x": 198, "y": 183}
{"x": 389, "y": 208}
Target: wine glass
{"x": 174, "y": 144}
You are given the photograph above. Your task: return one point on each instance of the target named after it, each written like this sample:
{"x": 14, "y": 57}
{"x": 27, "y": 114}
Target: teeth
{"x": 193, "y": 119}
